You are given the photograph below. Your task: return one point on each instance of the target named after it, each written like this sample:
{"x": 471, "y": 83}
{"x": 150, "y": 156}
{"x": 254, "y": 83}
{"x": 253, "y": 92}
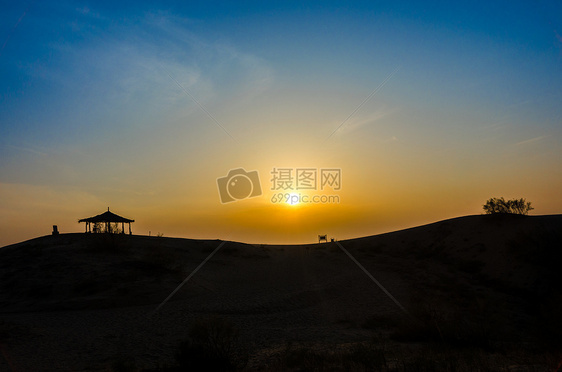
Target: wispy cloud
{"x": 375, "y": 91}
{"x": 558, "y": 36}
{"x": 366, "y": 120}
{"x": 14, "y": 29}
{"x": 201, "y": 106}
{"x": 28, "y": 148}
{"x": 529, "y": 141}
{"x": 87, "y": 12}
{"x": 129, "y": 67}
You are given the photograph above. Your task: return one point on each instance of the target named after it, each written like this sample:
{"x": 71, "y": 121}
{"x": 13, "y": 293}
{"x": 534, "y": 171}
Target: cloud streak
{"x": 375, "y": 91}
{"x": 200, "y": 106}
{"x": 530, "y": 141}
{"x": 129, "y": 79}
{"x": 14, "y": 28}
{"x": 368, "y": 120}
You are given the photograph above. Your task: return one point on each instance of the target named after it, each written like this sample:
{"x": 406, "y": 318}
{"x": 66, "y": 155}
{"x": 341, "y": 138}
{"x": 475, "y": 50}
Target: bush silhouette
{"x": 502, "y": 206}
{"x": 212, "y": 345}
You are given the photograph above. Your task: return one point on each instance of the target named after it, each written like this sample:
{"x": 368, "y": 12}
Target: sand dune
{"x": 78, "y": 301}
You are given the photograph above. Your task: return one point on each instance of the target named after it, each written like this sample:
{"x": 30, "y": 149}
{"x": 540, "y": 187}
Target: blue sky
{"x": 142, "y": 105}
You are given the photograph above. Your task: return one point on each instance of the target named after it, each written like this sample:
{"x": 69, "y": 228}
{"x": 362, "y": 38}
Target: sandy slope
{"x": 76, "y": 301}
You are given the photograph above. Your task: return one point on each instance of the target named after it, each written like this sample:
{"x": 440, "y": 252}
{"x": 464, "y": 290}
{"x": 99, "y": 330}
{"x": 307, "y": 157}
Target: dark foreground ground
{"x": 481, "y": 293}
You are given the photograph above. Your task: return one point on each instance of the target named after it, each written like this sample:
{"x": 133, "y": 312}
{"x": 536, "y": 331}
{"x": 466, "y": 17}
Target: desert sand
{"x": 486, "y": 284}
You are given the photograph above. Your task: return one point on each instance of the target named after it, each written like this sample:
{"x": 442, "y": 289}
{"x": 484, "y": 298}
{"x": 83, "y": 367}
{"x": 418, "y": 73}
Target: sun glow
{"x": 293, "y": 199}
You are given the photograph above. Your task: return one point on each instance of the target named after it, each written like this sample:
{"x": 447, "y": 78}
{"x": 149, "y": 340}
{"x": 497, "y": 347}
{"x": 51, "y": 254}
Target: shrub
{"x": 502, "y": 206}
{"x": 123, "y": 364}
{"x": 367, "y": 356}
{"x": 212, "y": 345}
{"x": 460, "y": 328}
{"x": 356, "y": 357}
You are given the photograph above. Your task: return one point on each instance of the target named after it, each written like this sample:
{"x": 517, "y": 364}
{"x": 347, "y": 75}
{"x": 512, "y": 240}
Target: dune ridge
{"x": 81, "y": 299}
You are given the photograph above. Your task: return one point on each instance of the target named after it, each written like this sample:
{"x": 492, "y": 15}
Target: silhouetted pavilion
{"x": 106, "y": 218}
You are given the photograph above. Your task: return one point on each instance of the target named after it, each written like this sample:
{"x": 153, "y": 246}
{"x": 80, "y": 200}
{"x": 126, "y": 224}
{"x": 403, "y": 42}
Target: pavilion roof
{"x": 106, "y": 217}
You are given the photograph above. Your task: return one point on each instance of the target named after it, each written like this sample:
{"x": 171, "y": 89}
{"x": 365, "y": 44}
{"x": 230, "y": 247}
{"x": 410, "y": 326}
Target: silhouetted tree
{"x": 513, "y": 206}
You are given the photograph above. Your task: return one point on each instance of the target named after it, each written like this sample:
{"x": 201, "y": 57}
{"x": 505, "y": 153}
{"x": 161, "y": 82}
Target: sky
{"x": 273, "y": 122}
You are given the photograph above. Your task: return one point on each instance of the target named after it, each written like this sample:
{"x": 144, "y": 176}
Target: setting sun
{"x": 293, "y": 199}
{"x": 206, "y": 129}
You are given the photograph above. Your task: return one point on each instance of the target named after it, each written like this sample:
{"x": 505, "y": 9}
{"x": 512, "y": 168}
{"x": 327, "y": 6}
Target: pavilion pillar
{"x": 130, "y": 229}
